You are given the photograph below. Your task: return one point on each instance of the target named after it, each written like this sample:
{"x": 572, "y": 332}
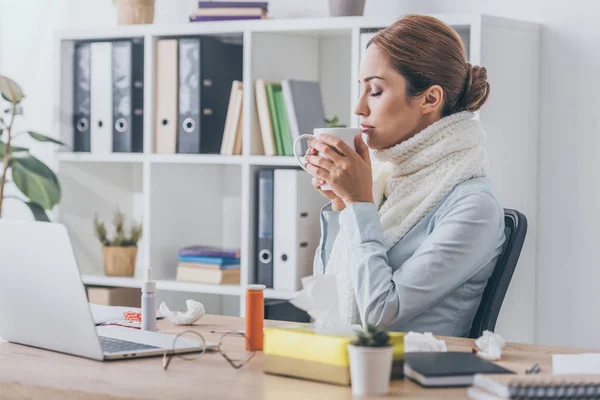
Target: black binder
{"x": 207, "y": 68}
{"x": 128, "y": 96}
{"x": 81, "y": 97}
{"x": 264, "y": 260}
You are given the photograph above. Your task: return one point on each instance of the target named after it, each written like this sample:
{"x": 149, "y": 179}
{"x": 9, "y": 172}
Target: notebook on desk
{"x": 446, "y": 369}
{"x": 500, "y": 387}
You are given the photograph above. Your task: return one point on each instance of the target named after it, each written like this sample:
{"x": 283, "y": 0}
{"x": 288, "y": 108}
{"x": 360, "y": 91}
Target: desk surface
{"x": 27, "y": 372}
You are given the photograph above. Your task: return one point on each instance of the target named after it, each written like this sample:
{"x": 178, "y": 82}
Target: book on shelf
{"x": 287, "y": 109}
{"x": 232, "y": 133}
{"x": 209, "y": 251}
{"x": 209, "y": 260}
{"x": 229, "y": 10}
{"x": 215, "y": 276}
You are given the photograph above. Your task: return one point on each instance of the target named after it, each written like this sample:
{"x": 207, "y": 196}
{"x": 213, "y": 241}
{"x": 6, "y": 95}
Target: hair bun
{"x": 477, "y": 88}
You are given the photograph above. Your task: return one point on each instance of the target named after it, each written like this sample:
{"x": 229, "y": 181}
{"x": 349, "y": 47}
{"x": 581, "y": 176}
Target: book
{"x": 209, "y": 251}
{"x": 446, "y": 369}
{"x": 264, "y": 118}
{"x": 209, "y": 260}
{"x": 202, "y": 18}
{"x": 230, "y": 11}
{"x": 215, "y": 276}
{"x": 233, "y": 4}
{"x": 208, "y": 266}
{"x": 534, "y": 386}
{"x": 271, "y": 89}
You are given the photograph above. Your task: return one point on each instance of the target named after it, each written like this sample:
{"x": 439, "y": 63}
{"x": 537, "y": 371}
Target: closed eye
{"x": 375, "y": 94}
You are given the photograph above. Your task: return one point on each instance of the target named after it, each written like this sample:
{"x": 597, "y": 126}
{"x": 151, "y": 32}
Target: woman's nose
{"x": 361, "y": 108}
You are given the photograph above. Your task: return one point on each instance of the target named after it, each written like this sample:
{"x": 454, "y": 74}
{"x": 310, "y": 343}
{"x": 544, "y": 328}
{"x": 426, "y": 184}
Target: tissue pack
{"x": 302, "y": 353}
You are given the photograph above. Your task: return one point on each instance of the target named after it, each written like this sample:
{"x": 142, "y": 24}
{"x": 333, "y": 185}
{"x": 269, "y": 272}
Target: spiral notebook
{"x": 495, "y": 387}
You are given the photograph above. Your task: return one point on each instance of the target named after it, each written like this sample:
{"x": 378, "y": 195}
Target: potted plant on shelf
{"x": 120, "y": 252}
{"x": 371, "y": 356}
{"x": 37, "y": 183}
{"x": 130, "y": 12}
{"x": 334, "y": 122}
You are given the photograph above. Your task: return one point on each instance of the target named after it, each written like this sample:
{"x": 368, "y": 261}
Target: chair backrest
{"x": 515, "y": 230}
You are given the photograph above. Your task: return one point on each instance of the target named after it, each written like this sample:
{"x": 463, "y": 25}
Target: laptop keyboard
{"x": 110, "y": 345}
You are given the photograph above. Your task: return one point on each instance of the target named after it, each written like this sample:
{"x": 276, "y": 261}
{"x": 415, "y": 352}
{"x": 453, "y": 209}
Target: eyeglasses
{"x": 231, "y": 346}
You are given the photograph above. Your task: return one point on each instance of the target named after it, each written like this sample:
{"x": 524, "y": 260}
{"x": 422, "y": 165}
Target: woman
{"x": 413, "y": 239}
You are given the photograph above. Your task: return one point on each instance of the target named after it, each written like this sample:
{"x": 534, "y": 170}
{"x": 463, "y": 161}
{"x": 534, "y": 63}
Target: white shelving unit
{"x": 185, "y": 199}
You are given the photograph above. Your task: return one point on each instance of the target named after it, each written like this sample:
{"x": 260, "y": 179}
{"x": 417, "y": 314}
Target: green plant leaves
{"x": 43, "y": 138}
{"x": 38, "y": 212}
{"x": 10, "y": 90}
{"x": 13, "y": 149}
{"x": 36, "y": 181}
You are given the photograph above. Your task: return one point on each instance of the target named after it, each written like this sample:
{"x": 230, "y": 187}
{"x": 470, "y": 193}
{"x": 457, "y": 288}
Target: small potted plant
{"x": 120, "y": 252}
{"x": 371, "y": 356}
{"x": 334, "y": 122}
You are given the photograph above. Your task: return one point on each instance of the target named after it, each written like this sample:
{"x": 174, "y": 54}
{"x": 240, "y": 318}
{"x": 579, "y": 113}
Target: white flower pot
{"x": 370, "y": 369}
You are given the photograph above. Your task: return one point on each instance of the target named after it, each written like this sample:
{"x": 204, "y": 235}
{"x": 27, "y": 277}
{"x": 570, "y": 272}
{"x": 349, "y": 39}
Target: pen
{"x": 533, "y": 370}
{"x": 217, "y": 331}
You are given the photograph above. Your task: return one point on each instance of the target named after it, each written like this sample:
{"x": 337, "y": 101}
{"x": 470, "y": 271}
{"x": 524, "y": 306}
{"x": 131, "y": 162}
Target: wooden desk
{"x": 27, "y": 372}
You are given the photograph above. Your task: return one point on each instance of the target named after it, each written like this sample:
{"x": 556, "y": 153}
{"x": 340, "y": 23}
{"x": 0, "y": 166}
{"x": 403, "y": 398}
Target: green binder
{"x": 271, "y": 89}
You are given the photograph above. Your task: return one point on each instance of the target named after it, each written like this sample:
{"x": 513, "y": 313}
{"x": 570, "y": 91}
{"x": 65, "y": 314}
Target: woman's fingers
{"x": 316, "y": 171}
{"x": 325, "y": 150}
{"x": 320, "y": 162}
{"x": 334, "y": 142}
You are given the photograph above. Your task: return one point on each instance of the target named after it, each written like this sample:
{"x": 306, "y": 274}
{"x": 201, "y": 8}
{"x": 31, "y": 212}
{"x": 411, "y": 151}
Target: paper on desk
{"x": 318, "y": 298}
{"x": 586, "y": 364}
{"x": 102, "y": 314}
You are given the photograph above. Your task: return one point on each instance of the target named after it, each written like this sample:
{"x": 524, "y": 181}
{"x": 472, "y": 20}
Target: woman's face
{"x": 387, "y": 115}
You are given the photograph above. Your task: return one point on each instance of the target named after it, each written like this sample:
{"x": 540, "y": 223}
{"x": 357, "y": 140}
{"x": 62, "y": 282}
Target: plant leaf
{"x": 13, "y": 149}
{"x": 36, "y": 181}
{"x": 38, "y": 212}
{"x": 10, "y": 90}
{"x": 43, "y": 138}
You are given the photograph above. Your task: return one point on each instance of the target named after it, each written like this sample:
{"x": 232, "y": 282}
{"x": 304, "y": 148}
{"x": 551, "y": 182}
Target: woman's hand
{"x": 348, "y": 172}
{"x": 336, "y": 203}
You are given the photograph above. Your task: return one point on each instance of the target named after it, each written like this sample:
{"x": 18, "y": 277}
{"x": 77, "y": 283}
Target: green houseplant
{"x": 38, "y": 184}
{"x": 334, "y": 122}
{"x": 371, "y": 357}
{"x": 120, "y": 252}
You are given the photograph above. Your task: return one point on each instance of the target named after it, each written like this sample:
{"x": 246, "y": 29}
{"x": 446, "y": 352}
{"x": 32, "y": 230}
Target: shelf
{"x": 108, "y": 158}
{"x": 168, "y": 285}
{"x": 177, "y": 286}
{"x": 195, "y": 159}
{"x": 274, "y": 160}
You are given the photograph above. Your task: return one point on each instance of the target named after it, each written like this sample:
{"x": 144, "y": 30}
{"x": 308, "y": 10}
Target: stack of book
{"x": 229, "y": 10}
{"x": 209, "y": 264}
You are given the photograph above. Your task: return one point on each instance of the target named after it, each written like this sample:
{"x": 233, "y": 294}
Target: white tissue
{"x": 194, "y": 312}
{"x": 490, "y": 346}
{"x": 415, "y": 341}
{"x": 318, "y": 298}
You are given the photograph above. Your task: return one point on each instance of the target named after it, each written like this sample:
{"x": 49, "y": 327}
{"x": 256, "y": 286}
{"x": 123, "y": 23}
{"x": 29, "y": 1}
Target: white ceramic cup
{"x": 346, "y": 134}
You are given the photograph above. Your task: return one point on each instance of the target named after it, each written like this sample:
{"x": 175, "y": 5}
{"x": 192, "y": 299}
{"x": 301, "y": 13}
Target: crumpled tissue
{"x": 415, "y": 341}
{"x": 194, "y": 312}
{"x": 490, "y": 346}
{"x": 319, "y": 299}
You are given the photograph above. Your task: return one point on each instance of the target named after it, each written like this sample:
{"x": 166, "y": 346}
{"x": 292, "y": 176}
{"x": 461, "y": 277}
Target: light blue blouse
{"x": 432, "y": 280}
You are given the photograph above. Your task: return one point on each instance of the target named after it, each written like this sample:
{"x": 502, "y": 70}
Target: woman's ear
{"x": 432, "y": 99}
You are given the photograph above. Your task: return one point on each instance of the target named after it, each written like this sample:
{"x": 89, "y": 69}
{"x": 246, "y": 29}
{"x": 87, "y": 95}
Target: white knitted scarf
{"x": 413, "y": 176}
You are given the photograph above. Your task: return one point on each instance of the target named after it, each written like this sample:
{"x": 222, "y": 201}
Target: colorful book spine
{"x": 209, "y": 260}
{"x": 233, "y": 4}
{"x": 209, "y": 251}
{"x": 202, "y": 18}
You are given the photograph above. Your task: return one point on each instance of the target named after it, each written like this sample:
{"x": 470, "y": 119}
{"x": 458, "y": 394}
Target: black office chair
{"x": 515, "y": 230}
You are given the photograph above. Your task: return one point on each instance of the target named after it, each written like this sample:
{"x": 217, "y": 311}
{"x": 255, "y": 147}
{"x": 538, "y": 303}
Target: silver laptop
{"x": 43, "y": 301}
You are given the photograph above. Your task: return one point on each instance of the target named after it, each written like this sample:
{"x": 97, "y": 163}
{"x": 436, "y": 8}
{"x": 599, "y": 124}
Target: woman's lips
{"x": 366, "y": 128}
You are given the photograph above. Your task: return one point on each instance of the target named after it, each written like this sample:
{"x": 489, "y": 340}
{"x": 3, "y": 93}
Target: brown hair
{"x": 428, "y": 52}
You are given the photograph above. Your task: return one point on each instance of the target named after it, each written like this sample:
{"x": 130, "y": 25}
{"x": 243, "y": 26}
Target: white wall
{"x": 567, "y": 274}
